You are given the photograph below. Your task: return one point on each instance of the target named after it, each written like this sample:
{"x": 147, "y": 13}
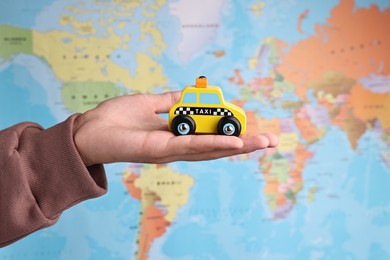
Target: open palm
{"x": 130, "y": 129}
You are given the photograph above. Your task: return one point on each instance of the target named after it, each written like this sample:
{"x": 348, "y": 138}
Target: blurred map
{"x": 316, "y": 73}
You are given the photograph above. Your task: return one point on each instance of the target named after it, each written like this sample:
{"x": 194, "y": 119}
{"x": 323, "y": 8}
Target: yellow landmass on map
{"x": 90, "y": 59}
{"x": 83, "y": 28}
{"x": 287, "y": 142}
{"x": 308, "y": 130}
{"x": 257, "y": 8}
{"x": 157, "y": 5}
{"x": 274, "y": 47}
{"x": 171, "y": 187}
{"x": 77, "y": 58}
{"x": 123, "y": 4}
{"x": 312, "y": 194}
{"x": 148, "y": 28}
{"x": 79, "y": 9}
{"x": 122, "y": 24}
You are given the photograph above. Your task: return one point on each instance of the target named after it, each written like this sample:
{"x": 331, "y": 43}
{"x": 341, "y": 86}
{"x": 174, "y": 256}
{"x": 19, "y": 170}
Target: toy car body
{"x": 202, "y": 109}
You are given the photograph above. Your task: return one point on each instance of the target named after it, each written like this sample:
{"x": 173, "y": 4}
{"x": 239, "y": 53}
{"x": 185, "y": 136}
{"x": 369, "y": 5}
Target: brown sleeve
{"x": 41, "y": 175}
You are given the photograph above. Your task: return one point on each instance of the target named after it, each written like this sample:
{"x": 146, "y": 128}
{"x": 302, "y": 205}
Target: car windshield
{"x": 209, "y": 98}
{"x": 189, "y": 98}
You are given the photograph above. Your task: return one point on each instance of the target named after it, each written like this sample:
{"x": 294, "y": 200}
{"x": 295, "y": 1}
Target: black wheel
{"x": 183, "y": 125}
{"x": 229, "y": 125}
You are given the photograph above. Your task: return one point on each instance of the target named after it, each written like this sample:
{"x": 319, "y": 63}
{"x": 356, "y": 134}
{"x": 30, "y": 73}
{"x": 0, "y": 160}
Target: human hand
{"x": 130, "y": 129}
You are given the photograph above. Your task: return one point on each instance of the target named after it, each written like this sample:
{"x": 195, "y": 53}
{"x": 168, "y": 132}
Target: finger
{"x": 273, "y": 139}
{"x": 163, "y": 102}
{"x": 250, "y": 144}
{"x": 206, "y": 156}
{"x": 254, "y": 142}
{"x": 156, "y": 145}
{"x": 195, "y": 144}
{"x": 161, "y": 124}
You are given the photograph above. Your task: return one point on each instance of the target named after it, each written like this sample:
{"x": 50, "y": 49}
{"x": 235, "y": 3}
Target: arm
{"x": 41, "y": 175}
{"x": 44, "y": 172}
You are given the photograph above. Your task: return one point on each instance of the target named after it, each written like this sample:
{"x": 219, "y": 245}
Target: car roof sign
{"x": 201, "y": 82}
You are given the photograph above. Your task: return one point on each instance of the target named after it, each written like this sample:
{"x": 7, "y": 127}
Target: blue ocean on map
{"x": 321, "y": 194}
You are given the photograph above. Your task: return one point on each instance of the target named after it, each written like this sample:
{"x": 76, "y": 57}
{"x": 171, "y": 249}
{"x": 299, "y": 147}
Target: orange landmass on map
{"x": 301, "y": 17}
{"x": 301, "y": 156}
{"x": 252, "y": 126}
{"x": 128, "y": 181}
{"x": 237, "y": 78}
{"x": 354, "y": 42}
{"x": 272, "y": 184}
{"x": 280, "y": 46}
{"x": 281, "y": 199}
{"x": 268, "y": 125}
{"x": 251, "y": 123}
{"x": 344, "y": 118}
{"x": 219, "y": 53}
{"x": 153, "y": 225}
{"x": 255, "y": 124}
{"x": 265, "y": 81}
{"x": 368, "y": 106}
{"x": 357, "y": 109}
{"x": 239, "y": 102}
{"x": 152, "y": 222}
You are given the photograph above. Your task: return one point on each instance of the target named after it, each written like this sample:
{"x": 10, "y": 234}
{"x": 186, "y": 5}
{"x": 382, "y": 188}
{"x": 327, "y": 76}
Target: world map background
{"x": 315, "y": 73}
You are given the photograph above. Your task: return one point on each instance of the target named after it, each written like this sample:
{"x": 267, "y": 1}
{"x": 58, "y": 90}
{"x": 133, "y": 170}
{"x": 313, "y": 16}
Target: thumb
{"x": 163, "y": 102}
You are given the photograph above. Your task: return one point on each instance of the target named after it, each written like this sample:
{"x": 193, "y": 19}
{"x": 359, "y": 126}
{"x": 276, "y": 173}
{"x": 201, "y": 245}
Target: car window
{"x": 189, "y": 98}
{"x": 209, "y": 98}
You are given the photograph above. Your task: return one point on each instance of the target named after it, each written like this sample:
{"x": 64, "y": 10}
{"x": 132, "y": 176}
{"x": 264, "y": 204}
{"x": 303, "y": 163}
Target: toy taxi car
{"x": 203, "y": 110}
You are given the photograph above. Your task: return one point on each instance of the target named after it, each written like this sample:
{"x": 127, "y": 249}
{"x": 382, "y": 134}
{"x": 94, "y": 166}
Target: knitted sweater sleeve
{"x": 41, "y": 175}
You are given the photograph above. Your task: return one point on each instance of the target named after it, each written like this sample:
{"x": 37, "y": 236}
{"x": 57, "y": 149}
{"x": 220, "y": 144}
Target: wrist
{"x": 78, "y": 122}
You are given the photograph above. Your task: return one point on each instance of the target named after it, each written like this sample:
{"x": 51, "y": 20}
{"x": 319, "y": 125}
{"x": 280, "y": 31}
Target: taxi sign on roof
{"x": 201, "y": 82}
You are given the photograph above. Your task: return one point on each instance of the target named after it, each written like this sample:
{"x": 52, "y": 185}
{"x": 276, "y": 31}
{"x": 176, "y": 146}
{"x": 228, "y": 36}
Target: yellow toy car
{"x": 203, "y": 110}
